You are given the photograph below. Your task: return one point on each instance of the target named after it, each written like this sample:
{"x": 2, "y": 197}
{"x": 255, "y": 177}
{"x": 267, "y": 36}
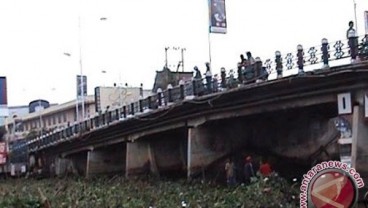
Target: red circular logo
{"x": 332, "y": 188}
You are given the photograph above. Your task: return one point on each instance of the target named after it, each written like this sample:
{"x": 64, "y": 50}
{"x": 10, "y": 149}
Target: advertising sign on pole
{"x": 366, "y": 21}
{"x": 79, "y": 84}
{"x": 217, "y": 16}
{"x": 3, "y": 91}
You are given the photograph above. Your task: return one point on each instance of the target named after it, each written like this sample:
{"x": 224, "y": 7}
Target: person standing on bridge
{"x": 197, "y": 81}
{"x": 208, "y": 76}
{"x": 352, "y": 41}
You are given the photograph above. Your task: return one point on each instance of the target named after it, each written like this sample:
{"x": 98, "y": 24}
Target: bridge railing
{"x": 270, "y": 69}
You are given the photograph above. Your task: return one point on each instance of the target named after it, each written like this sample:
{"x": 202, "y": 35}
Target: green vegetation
{"x": 117, "y": 192}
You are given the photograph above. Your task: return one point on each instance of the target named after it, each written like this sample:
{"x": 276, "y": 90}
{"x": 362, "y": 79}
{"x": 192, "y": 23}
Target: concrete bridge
{"x": 176, "y": 130}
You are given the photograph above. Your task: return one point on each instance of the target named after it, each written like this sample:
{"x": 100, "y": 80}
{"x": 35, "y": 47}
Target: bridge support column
{"x": 106, "y": 160}
{"x": 75, "y": 164}
{"x": 203, "y": 149}
{"x": 360, "y": 142}
{"x": 139, "y": 158}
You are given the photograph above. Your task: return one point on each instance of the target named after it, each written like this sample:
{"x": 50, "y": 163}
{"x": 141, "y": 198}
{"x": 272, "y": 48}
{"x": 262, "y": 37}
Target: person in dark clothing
{"x": 208, "y": 76}
{"x": 198, "y": 81}
{"x": 249, "y": 73}
{"x": 197, "y": 75}
{"x": 223, "y": 78}
{"x": 249, "y": 170}
{"x": 352, "y": 37}
{"x": 215, "y": 83}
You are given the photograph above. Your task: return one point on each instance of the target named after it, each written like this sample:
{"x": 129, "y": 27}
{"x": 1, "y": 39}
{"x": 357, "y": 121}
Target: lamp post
{"x": 166, "y": 48}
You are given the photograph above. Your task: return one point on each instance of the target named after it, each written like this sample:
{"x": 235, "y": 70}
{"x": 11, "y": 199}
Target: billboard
{"x": 366, "y": 21}
{"x": 217, "y": 16}
{"x": 79, "y": 86}
{"x": 2, "y": 153}
{"x": 3, "y": 91}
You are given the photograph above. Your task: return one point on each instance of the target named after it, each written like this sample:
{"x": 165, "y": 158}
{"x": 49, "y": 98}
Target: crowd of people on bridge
{"x": 251, "y": 70}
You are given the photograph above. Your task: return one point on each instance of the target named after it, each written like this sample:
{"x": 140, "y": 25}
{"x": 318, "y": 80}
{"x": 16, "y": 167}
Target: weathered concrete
{"x": 137, "y": 154}
{"x": 107, "y": 160}
{"x": 300, "y": 134}
{"x": 360, "y": 142}
{"x": 72, "y": 164}
{"x": 203, "y": 149}
{"x": 159, "y": 154}
{"x": 170, "y": 153}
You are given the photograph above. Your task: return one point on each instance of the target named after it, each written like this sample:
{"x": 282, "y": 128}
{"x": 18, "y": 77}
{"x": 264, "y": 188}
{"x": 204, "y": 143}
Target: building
{"x": 46, "y": 119}
{"x": 165, "y": 77}
{"x": 114, "y": 97}
{"x": 39, "y": 117}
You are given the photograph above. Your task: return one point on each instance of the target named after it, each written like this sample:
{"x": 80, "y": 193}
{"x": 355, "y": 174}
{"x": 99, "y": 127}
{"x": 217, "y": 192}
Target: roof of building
{"x": 165, "y": 77}
{"x": 55, "y": 108}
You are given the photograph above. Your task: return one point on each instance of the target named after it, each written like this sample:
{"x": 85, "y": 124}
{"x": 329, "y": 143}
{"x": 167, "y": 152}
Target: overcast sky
{"x": 130, "y": 44}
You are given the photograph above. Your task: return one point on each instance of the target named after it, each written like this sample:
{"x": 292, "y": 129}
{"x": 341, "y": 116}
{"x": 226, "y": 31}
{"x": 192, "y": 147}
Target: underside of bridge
{"x": 290, "y": 139}
{"x": 298, "y": 136}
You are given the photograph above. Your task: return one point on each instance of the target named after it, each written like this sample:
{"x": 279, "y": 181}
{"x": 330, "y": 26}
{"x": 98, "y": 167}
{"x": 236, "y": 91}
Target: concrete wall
{"x": 166, "y": 153}
{"x": 169, "y": 153}
{"x": 360, "y": 142}
{"x": 204, "y": 148}
{"x": 137, "y": 154}
{"x": 75, "y": 164}
{"x": 107, "y": 160}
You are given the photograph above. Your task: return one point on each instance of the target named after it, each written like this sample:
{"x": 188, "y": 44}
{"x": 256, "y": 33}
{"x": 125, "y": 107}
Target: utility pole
{"x": 182, "y": 58}
{"x": 166, "y": 48}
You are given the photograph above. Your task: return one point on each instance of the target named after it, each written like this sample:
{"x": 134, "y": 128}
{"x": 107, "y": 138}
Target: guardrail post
{"x": 103, "y": 117}
{"x": 169, "y": 93}
{"x": 117, "y": 117}
{"x": 141, "y": 106}
{"x": 91, "y": 123}
{"x": 86, "y": 127}
{"x": 149, "y": 100}
{"x": 97, "y": 122}
{"x": 159, "y": 96}
{"x": 132, "y": 108}
{"x": 300, "y": 62}
{"x": 194, "y": 87}
{"x": 182, "y": 89}
{"x": 279, "y": 66}
{"x": 124, "y": 111}
{"x": 325, "y": 55}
